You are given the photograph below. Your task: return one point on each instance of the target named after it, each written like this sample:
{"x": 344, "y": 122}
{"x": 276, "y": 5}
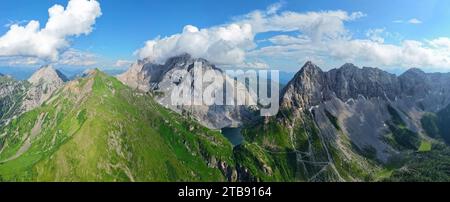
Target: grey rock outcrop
{"x": 178, "y": 73}
{"x": 359, "y": 99}
{"x": 12, "y": 93}
{"x": 44, "y": 83}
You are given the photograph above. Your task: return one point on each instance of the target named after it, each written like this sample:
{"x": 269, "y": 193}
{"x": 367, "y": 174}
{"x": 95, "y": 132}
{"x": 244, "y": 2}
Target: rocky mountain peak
{"x": 44, "y": 82}
{"x": 415, "y": 82}
{"x": 47, "y": 74}
{"x": 310, "y": 68}
{"x": 164, "y": 78}
{"x": 183, "y": 58}
{"x": 414, "y": 71}
{"x": 349, "y": 67}
{"x": 414, "y": 74}
{"x": 91, "y": 72}
{"x": 186, "y": 62}
{"x": 306, "y": 88}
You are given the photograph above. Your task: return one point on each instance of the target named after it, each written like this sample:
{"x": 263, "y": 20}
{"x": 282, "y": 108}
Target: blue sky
{"x": 386, "y": 34}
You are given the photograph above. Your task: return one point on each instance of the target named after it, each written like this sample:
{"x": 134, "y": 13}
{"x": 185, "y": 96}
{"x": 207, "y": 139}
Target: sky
{"x": 393, "y": 35}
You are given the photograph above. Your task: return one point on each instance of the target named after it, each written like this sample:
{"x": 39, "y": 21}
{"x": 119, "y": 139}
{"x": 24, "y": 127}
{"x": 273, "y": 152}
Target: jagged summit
{"x": 180, "y": 58}
{"x": 310, "y": 67}
{"x": 90, "y": 72}
{"x": 47, "y": 74}
{"x": 175, "y": 72}
{"x": 44, "y": 82}
{"x": 349, "y": 66}
{"x": 177, "y": 60}
{"x": 414, "y": 71}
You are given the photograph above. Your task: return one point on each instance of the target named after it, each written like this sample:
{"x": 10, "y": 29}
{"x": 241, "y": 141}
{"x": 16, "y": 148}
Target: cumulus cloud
{"x": 296, "y": 36}
{"x": 409, "y": 53}
{"x": 323, "y": 37}
{"x": 432, "y": 54}
{"x": 441, "y": 43}
{"x": 222, "y": 45}
{"x": 376, "y": 35}
{"x": 228, "y": 44}
{"x": 31, "y": 40}
{"x": 315, "y": 25}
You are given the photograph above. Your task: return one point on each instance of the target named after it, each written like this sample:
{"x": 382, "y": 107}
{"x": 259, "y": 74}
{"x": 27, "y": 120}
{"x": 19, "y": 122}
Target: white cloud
{"x": 250, "y": 65}
{"x": 441, "y": 43}
{"x": 228, "y": 44}
{"x": 14, "y": 22}
{"x": 433, "y": 54}
{"x": 286, "y": 39}
{"x": 376, "y": 35}
{"x": 32, "y": 41}
{"x": 274, "y": 8}
{"x": 320, "y": 36}
{"x": 19, "y": 61}
{"x": 323, "y": 37}
{"x": 123, "y": 63}
{"x": 222, "y": 44}
{"x": 70, "y": 57}
{"x": 410, "y": 21}
{"x": 414, "y": 21}
{"x": 73, "y": 57}
{"x": 315, "y": 25}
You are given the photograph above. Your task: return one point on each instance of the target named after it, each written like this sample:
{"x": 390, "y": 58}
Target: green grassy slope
{"x": 97, "y": 129}
{"x": 295, "y": 150}
{"x": 431, "y": 166}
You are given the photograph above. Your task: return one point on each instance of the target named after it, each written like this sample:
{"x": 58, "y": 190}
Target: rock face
{"x": 44, "y": 83}
{"x": 364, "y": 100}
{"x": 17, "y": 97}
{"x": 178, "y": 73}
{"x": 12, "y": 93}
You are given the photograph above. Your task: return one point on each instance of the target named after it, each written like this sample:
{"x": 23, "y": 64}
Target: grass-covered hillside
{"x": 293, "y": 149}
{"x": 97, "y": 129}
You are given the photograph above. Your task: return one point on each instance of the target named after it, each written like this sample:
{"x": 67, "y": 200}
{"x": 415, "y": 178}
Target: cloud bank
{"x": 299, "y": 36}
{"x": 221, "y": 45}
{"x": 31, "y": 40}
{"x": 229, "y": 44}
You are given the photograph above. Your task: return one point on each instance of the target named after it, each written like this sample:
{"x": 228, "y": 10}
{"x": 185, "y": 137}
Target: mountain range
{"x": 346, "y": 124}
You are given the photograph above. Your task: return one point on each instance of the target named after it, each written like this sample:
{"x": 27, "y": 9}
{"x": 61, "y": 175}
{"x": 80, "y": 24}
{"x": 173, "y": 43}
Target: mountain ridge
{"x": 178, "y": 73}
{"x": 345, "y": 124}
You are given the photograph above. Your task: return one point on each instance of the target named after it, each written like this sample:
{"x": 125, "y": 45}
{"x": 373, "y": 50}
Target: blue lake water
{"x": 233, "y": 135}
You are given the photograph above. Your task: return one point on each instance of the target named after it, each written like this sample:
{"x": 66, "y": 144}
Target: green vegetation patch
{"x": 425, "y": 146}
{"x": 401, "y": 137}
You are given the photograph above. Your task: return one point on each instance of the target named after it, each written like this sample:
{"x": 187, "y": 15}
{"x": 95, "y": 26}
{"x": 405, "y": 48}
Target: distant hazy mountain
{"x": 23, "y": 73}
{"x": 18, "y": 73}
